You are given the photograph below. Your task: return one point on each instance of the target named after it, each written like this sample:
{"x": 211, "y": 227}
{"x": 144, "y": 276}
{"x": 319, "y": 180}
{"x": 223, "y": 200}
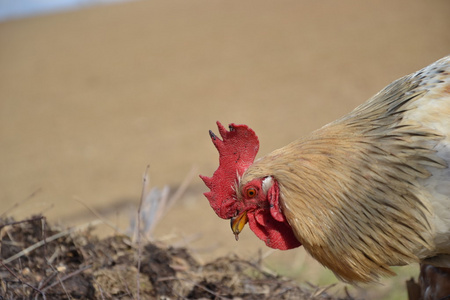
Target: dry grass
{"x": 42, "y": 262}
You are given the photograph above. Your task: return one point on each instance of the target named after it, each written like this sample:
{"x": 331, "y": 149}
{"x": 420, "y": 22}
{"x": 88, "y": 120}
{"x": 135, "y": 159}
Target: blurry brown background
{"x": 89, "y": 98}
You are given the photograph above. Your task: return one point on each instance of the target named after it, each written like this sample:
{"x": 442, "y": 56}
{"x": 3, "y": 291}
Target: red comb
{"x": 237, "y": 151}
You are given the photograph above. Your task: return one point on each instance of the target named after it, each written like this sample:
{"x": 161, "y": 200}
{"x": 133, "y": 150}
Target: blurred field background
{"x": 90, "y": 97}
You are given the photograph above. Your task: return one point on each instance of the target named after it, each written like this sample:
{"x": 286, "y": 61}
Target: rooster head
{"x": 256, "y": 201}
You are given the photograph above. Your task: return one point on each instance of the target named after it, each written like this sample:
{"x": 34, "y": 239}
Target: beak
{"x": 237, "y": 223}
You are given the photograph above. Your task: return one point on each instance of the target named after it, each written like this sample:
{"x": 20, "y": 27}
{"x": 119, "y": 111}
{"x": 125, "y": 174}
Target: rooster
{"x": 363, "y": 193}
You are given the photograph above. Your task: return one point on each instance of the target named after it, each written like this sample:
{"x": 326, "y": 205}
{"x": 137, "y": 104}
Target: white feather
{"x": 433, "y": 112}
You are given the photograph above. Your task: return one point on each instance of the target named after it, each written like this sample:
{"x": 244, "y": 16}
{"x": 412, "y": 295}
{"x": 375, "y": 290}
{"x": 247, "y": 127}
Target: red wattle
{"x": 277, "y": 235}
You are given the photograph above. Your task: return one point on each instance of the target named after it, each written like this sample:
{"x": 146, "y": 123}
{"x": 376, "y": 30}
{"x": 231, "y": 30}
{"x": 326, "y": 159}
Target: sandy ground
{"x": 89, "y": 98}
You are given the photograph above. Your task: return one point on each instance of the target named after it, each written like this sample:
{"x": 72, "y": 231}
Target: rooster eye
{"x": 251, "y": 192}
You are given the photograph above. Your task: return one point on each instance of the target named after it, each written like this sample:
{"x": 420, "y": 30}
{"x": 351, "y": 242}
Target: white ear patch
{"x": 267, "y": 184}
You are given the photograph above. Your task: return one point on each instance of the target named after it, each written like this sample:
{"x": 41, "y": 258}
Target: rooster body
{"x": 365, "y": 192}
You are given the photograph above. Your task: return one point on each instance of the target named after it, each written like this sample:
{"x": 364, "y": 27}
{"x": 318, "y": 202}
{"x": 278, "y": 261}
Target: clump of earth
{"x": 40, "y": 261}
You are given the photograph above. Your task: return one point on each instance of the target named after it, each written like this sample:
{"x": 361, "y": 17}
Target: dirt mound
{"x": 44, "y": 262}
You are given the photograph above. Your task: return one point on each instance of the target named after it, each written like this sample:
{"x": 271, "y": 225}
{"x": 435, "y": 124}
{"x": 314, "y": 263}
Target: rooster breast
{"x": 434, "y": 113}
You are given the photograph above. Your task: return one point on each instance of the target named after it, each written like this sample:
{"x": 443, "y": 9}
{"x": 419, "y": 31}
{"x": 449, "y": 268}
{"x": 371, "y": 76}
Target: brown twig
{"x": 48, "y": 240}
{"x": 171, "y": 278}
{"x": 100, "y": 217}
{"x": 68, "y": 276}
{"x": 179, "y": 192}
{"x": 320, "y": 291}
{"x": 55, "y": 272}
{"x": 139, "y": 242}
{"x": 99, "y": 288}
{"x": 164, "y": 203}
{"x": 125, "y": 284}
{"x": 59, "y": 280}
{"x": 44, "y": 282}
{"x": 15, "y": 205}
{"x": 23, "y": 221}
{"x": 22, "y": 281}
